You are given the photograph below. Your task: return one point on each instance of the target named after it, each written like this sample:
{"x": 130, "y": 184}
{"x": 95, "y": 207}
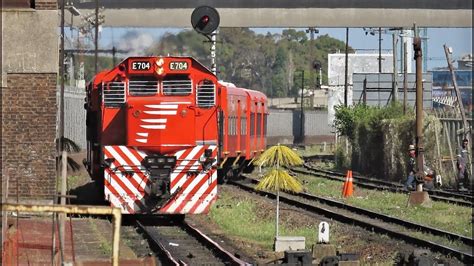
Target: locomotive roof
{"x": 100, "y": 75}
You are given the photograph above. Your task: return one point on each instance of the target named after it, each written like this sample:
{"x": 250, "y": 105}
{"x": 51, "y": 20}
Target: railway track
{"x": 178, "y": 243}
{"x": 371, "y": 221}
{"x": 463, "y": 199}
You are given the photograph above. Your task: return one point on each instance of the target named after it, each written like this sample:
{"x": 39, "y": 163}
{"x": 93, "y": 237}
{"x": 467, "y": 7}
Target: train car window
{"x": 229, "y": 126}
{"x": 243, "y": 125}
{"x": 206, "y": 94}
{"x": 259, "y": 124}
{"x": 234, "y": 125}
{"x": 142, "y": 86}
{"x": 177, "y": 85}
{"x": 252, "y": 124}
{"x": 265, "y": 124}
{"x": 114, "y": 94}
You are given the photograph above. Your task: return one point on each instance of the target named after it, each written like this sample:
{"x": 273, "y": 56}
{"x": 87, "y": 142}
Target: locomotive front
{"x": 152, "y": 135}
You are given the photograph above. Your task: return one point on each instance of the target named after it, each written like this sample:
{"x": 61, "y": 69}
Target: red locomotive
{"x": 160, "y": 128}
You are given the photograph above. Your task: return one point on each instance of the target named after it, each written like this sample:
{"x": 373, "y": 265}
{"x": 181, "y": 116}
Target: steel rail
{"x": 393, "y": 187}
{"x": 449, "y": 251}
{"x": 464, "y": 196}
{"x": 435, "y": 192}
{"x": 156, "y": 243}
{"x": 224, "y": 255}
{"x": 386, "y": 218}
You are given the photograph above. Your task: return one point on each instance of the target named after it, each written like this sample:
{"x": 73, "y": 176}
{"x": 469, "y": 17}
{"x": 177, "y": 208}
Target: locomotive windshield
{"x": 142, "y": 86}
{"x": 177, "y": 85}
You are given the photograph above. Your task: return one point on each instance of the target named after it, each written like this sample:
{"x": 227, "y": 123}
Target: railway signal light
{"x": 317, "y": 65}
{"x": 205, "y": 19}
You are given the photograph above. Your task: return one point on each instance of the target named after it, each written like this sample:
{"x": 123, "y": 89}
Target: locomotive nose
{"x": 163, "y": 127}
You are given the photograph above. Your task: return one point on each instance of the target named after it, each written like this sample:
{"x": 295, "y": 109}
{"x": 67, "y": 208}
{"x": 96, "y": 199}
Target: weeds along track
{"x": 178, "y": 243}
{"x": 451, "y": 244}
{"x": 454, "y": 197}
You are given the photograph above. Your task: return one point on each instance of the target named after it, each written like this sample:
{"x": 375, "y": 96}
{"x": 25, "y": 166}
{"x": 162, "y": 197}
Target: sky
{"x": 460, "y": 39}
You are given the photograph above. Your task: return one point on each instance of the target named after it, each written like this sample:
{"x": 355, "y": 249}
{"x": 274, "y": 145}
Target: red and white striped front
{"x": 127, "y": 183}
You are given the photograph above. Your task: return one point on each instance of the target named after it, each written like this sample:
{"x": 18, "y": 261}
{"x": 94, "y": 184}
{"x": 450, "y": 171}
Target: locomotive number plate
{"x": 140, "y": 65}
{"x": 179, "y": 65}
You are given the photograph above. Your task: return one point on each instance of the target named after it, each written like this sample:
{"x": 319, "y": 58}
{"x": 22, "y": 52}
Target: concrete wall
{"x": 289, "y": 13}
{"x": 284, "y": 126}
{"x": 29, "y": 81}
{"x": 30, "y": 41}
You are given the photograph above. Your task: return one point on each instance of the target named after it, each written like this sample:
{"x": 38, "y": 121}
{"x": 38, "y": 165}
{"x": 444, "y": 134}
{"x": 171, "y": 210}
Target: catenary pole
{"x": 346, "y": 67}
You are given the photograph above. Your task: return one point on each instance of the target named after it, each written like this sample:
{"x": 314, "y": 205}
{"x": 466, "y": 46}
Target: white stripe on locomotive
{"x": 137, "y": 163}
{"x": 182, "y": 165}
{"x": 125, "y": 165}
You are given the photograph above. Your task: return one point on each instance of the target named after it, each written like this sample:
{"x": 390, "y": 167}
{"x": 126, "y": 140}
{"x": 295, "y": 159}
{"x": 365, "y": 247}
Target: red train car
{"x": 159, "y": 128}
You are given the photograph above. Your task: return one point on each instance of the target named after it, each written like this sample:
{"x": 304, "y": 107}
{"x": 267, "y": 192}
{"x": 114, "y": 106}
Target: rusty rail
{"x": 76, "y": 209}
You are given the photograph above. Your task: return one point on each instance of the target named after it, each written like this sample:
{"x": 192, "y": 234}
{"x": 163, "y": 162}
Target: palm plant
{"x": 71, "y": 147}
{"x": 278, "y": 179}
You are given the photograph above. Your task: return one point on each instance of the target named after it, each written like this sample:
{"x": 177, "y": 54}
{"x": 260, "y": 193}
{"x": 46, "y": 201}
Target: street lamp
{"x": 372, "y": 32}
{"x": 73, "y": 10}
{"x": 60, "y": 147}
{"x": 302, "y": 109}
{"x": 312, "y": 31}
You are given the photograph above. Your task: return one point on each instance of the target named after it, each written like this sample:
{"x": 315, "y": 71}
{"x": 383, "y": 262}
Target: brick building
{"x": 29, "y": 80}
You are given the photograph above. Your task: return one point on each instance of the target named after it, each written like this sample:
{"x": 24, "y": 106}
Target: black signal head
{"x": 205, "y": 19}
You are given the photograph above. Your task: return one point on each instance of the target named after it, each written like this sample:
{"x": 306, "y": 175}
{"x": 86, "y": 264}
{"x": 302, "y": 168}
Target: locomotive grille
{"x": 142, "y": 87}
{"x": 206, "y": 95}
{"x": 114, "y": 93}
{"x": 177, "y": 87}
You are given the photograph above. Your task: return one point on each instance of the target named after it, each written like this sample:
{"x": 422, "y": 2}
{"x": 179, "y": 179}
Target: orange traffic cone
{"x": 350, "y": 187}
{"x": 344, "y": 188}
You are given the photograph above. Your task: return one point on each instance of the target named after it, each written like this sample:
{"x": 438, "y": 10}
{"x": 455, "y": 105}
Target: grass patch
{"x": 316, "y": 149}
{"x": 237, "y": 218}
{"x": 73, "y": 181}
{"x": 445, "y": 216}
{"x": 244, "y": 219}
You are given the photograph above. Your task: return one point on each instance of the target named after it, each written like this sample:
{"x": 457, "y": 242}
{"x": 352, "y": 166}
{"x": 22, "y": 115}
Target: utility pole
{"x": 380, "y": 50}
{"x": 114, "y": 51}
{"x": 60, "y": 144}
{"x": 346, "y": 67}
{"x": 302, "y": 110}
{"x": 312, "y": 31}
{"x": 419, "y": 197}
{"x": 395, "y": 69}
{"x": 419, "y": 111}
{"x": 96, "y": 39}
{"x": 466, "y": 128}
{"x": 456, "y": 90}
{"x": 405, "y": 78}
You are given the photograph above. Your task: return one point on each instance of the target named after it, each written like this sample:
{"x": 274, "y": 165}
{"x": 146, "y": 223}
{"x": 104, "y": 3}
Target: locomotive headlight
{"x": 150, "y": 160}
{"x": 171, "y": 160}
{"x": 160, "y": 160}
{"x": 159, "y": 66}
{"x": 160, "y": 62}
